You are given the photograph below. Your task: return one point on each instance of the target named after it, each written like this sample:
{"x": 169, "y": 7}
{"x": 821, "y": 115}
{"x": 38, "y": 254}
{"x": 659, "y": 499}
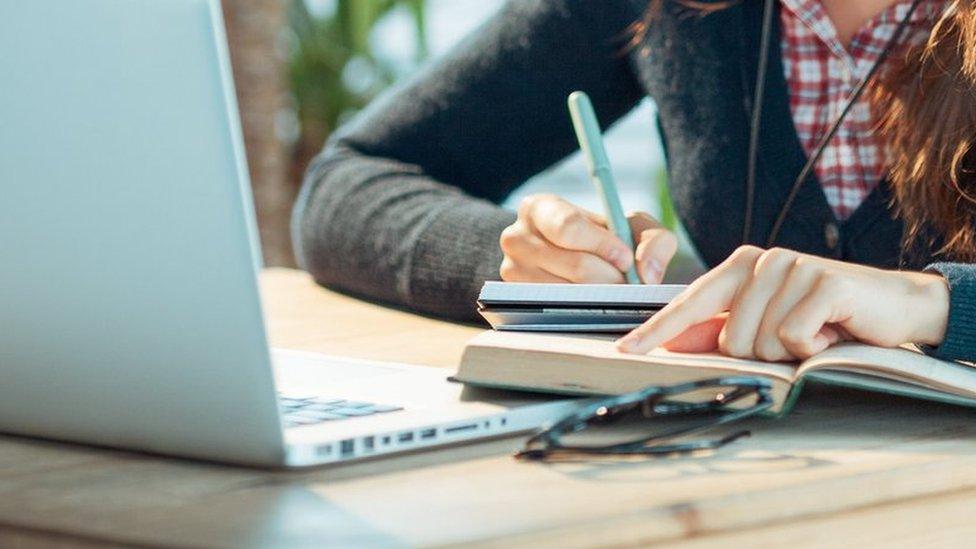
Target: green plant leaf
{"x": 669, "y": 216}
{"x": 320, "y": 48}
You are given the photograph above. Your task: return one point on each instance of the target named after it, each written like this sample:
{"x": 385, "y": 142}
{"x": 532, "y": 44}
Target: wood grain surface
{"x": 846, "y": 468}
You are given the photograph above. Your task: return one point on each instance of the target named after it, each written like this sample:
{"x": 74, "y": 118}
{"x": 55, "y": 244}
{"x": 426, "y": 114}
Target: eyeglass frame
{"x": 652, "y": 403}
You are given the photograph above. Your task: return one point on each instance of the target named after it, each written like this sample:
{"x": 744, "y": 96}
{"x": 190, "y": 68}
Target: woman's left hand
{"x": 781, "y": 305}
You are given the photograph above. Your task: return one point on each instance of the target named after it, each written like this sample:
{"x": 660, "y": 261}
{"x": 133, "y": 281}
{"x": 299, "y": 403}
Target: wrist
{"x": 930, "y": 308}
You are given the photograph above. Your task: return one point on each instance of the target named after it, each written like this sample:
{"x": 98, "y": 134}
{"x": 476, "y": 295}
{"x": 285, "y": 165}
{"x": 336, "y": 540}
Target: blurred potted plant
{"x": 333, "y": 69}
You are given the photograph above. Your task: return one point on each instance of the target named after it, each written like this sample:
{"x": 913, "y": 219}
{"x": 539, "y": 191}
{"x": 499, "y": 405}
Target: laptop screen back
{"x": 129, "y": 312}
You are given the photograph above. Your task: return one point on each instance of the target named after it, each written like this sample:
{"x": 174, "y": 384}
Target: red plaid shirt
{"x": 821, "y": 73}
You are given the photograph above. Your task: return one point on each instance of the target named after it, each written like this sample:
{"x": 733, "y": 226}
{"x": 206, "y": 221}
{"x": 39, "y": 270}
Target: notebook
{"x": 606, "y": 308}
{"x": 591, "y": 365}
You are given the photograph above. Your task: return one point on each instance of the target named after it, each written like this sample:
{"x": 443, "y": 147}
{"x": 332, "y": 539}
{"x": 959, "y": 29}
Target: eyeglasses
{"x": 706, "y": 404}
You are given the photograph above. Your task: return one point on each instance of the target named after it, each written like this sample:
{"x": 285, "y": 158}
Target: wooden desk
{"x": 845, "y": 466}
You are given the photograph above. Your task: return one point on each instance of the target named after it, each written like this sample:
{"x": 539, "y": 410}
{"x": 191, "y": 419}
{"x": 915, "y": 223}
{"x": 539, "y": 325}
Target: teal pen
{"x": 591, "y": 142}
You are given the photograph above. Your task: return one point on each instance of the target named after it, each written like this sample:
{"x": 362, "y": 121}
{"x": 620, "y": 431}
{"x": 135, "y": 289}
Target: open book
{"x": 590, "y": 364}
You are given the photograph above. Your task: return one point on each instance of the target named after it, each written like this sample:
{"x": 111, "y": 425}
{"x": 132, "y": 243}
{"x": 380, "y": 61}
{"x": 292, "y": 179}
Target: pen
{"x": 591, "y": 142}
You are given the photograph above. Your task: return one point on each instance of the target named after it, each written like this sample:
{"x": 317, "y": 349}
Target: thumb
{"x": 700, "y": 338}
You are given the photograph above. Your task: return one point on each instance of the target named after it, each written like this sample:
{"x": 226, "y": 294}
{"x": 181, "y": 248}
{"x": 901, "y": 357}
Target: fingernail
{"x": 629, "y": 343}
{"x": 653, "y": 272}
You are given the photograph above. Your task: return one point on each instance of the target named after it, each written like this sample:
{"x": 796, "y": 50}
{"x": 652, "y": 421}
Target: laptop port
{"x": 324, "y": 450}
{"x": 386, "y": 440}
{"x": 347, "y": 447}
{"x": 405, "y": 437}
{"x": 369, "y": 443}
{"x": 428, "y": 433}
{"x": 461, "y": 428}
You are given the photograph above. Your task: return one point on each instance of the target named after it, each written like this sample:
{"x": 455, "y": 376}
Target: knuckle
{"x": 805, "y": 266}
{"x": 604, "y": 249}
{"x": 670, "y": 238}
{"x": 832, "y": 283}
{"x": 790, "y": 335}
{"x": 570, "y": 224}
{"x": 797, "y": 345}
{"x": 509, "y": 238}
{"x": 775, "y": 257}
{"x": 642, "y": 219}
{"x": 732, "y": 346}
{"x": 659, "y": 234}
{"x": 747, "y": 251}
{"x": 769, "y": 351}
{"x": 744, "y": 255}
{"x": 528, "y": 204}
{"x": 576, "y": 268}
{"x": 507, "y": 270}
{"x": 778, "y": 254}
{"x": 737, "y": 350}
{"x": 804, "y": 261}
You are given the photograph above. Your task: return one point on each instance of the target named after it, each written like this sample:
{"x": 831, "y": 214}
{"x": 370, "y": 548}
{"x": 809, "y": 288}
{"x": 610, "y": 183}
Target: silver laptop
{"x": 129, "y": 307}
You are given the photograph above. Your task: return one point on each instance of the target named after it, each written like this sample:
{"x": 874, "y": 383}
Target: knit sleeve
{"x": 401, "y": 206}
{"x": 960, "y": 337}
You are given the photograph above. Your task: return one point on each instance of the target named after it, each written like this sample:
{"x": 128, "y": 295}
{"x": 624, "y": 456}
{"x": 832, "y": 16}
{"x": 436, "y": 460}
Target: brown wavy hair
{"x": 924, "y": 105}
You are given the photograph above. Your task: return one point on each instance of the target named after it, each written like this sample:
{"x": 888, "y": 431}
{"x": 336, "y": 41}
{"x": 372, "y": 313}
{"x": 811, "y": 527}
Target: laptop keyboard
{"x": 300, "y": 410}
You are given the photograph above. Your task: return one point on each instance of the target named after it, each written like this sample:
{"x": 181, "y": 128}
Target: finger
{"x": 570, "y": 266}
{"x": 655, "y": 249}
{"x": 642, "y": 221}
{"x": 695, "y": 305}
{"x": 706, "y": 297}
{"x": 571, "y": 228}
{"x": 738, "y": 338}
{"x": 796, "y": 285}
{"x": 700, "y": 338}
{"x": 655, "y": 246}
{"x": 812, "y": 325}
{"x": 832, "y": 334}
{"x": 524, "y": 273}
{"x": 595, "y": 217}
{"x": 514, "y": 272}
{"x": 842, "y": 333}
{"x": 579, "y": 267}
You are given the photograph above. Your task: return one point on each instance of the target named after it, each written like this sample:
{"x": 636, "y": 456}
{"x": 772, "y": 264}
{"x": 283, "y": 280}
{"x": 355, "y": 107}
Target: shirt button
{"x": 831, "y": 235}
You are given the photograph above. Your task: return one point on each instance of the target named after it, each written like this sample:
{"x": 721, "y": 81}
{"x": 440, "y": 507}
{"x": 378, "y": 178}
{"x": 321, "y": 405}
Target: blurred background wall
{"x": 254, "y": 30}
{"x": 303, "y": 67}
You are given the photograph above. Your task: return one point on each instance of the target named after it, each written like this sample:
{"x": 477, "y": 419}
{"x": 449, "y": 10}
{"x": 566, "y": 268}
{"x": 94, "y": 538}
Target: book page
{"x": 602, "y": 346}
{"x": 901, "y": 364}
{"x": 591, "y": 364}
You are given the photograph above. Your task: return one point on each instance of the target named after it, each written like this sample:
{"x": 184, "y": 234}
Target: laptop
{"x": 129, "y": 307}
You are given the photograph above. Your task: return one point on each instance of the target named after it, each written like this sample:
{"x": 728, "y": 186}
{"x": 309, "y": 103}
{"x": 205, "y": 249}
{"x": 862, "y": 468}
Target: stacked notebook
{"x": 614, "y": 308}
{"x": 588, "y": 363}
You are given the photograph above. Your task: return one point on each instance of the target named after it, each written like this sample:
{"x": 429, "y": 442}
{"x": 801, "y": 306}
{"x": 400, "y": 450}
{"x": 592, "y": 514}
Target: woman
{"x": 873, "y": 241}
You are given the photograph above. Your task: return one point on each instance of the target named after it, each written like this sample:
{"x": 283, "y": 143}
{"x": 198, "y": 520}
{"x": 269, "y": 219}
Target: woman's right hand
{"x": 555, "y": 241}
